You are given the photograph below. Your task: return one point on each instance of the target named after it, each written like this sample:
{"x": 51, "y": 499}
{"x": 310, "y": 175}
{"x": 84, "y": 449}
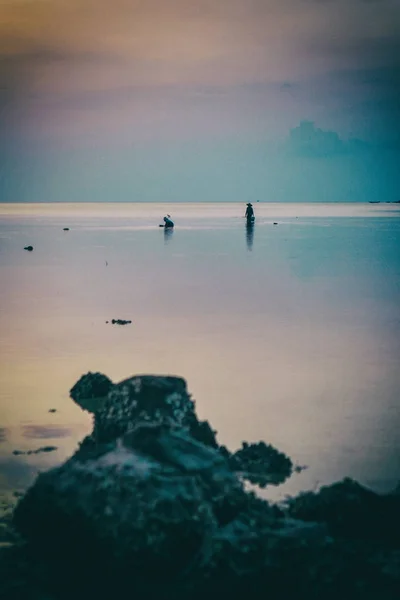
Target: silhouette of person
{"x": 250, "y": 234}
{"x": 249, "y": 214}
{"x": 168, "y": 222}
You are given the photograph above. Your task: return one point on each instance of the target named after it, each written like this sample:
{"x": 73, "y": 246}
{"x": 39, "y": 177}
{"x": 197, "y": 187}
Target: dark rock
{"x": 396, "y": 491}
{"x": 351, "y": 511}
{"x": 120, "y": 322}
{"x": 262, "y": 464}
{"x": 202, "y": 431}
{"x": 143, "y": 398}
{"x": 52, "y": 410}
{"x": 46, "y": 449}
{"x": 7, "y": 533}
{"x": 166, "y": 400}
{"x": 91, "y": 390}
{"x": 66, "y": 229}
{"x": 37, "y": 451}
{"x": 153, "y": 505}
{"x": 141, "y": 472}
{"x": 29, "y": 248}
{"x": 23, "y": 576}
{"x": 275, "y": 223}
{"x": 299, "y": 468}
{"x": 161, "y": 488}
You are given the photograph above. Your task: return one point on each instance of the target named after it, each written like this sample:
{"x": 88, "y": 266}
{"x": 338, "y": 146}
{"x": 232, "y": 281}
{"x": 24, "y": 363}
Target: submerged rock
{"x": 120, "y": 322}
{"x": 37, "y": 451}
{"x": 29, "y": 248}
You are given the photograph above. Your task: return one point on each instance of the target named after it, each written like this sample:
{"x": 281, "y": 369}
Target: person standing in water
{"x": 249, "y": 212}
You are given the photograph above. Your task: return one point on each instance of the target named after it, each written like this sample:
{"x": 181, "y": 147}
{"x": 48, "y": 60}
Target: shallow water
{"x": 288, "y": 333}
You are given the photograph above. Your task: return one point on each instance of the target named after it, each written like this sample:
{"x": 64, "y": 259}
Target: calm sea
{"x": 287, "y": 333}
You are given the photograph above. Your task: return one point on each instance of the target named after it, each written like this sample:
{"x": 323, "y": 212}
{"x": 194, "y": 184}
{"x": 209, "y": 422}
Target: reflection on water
{"x": 296, "y": 342}
{"x": 168, "y": 231}
{"x": 250, "y": 234}
{"x": 16, "y": 473}
{"x": 45, "y": 432}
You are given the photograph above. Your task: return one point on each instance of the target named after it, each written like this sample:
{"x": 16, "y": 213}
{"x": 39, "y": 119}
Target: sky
{"x": 184, "y": 100}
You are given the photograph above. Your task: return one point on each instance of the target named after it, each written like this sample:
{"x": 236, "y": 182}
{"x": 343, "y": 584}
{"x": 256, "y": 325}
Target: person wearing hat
{"x": 249, "y": 212}
{"x": 168, "y": 224}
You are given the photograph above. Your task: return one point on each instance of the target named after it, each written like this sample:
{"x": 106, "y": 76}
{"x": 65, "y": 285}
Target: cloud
{"x": 83, "y": 79}
{"x": 370, "y": 100}
{"x": 309, "y": 141}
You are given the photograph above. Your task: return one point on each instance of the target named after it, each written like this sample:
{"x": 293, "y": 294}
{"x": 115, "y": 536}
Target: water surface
{"x": 288, "y": 333}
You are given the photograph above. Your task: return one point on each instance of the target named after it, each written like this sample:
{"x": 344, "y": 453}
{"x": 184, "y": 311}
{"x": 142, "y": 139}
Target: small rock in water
{"x": 275, "y": 223}
{"x": 120, "y": 322}
{"x": 300, "y": 468}
{"x": 29, "y": 248}
{"x": 45, "y": 449}
{"x": 66, "y": 229}
{"x": 38, "y": 451}
{"x": 52, "y": 410}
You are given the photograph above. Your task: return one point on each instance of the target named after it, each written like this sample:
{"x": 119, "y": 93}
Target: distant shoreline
{"x": 189, "y": 211}
{"x": 173, "y": 202}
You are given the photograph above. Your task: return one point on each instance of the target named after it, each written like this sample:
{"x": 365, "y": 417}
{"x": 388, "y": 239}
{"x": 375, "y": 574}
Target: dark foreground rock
{"x": 150, "y": 502}
{"x": 262, "y": 464}
{"x": 352, "y": 511}
{"x": 91, "y": 390}
{"x": 29, "y": 248}
{"x": 152, "y": 506}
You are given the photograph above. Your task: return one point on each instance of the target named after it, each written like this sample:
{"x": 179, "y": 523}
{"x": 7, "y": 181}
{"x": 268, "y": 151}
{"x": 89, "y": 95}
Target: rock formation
{"x": 152, "y": 506}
